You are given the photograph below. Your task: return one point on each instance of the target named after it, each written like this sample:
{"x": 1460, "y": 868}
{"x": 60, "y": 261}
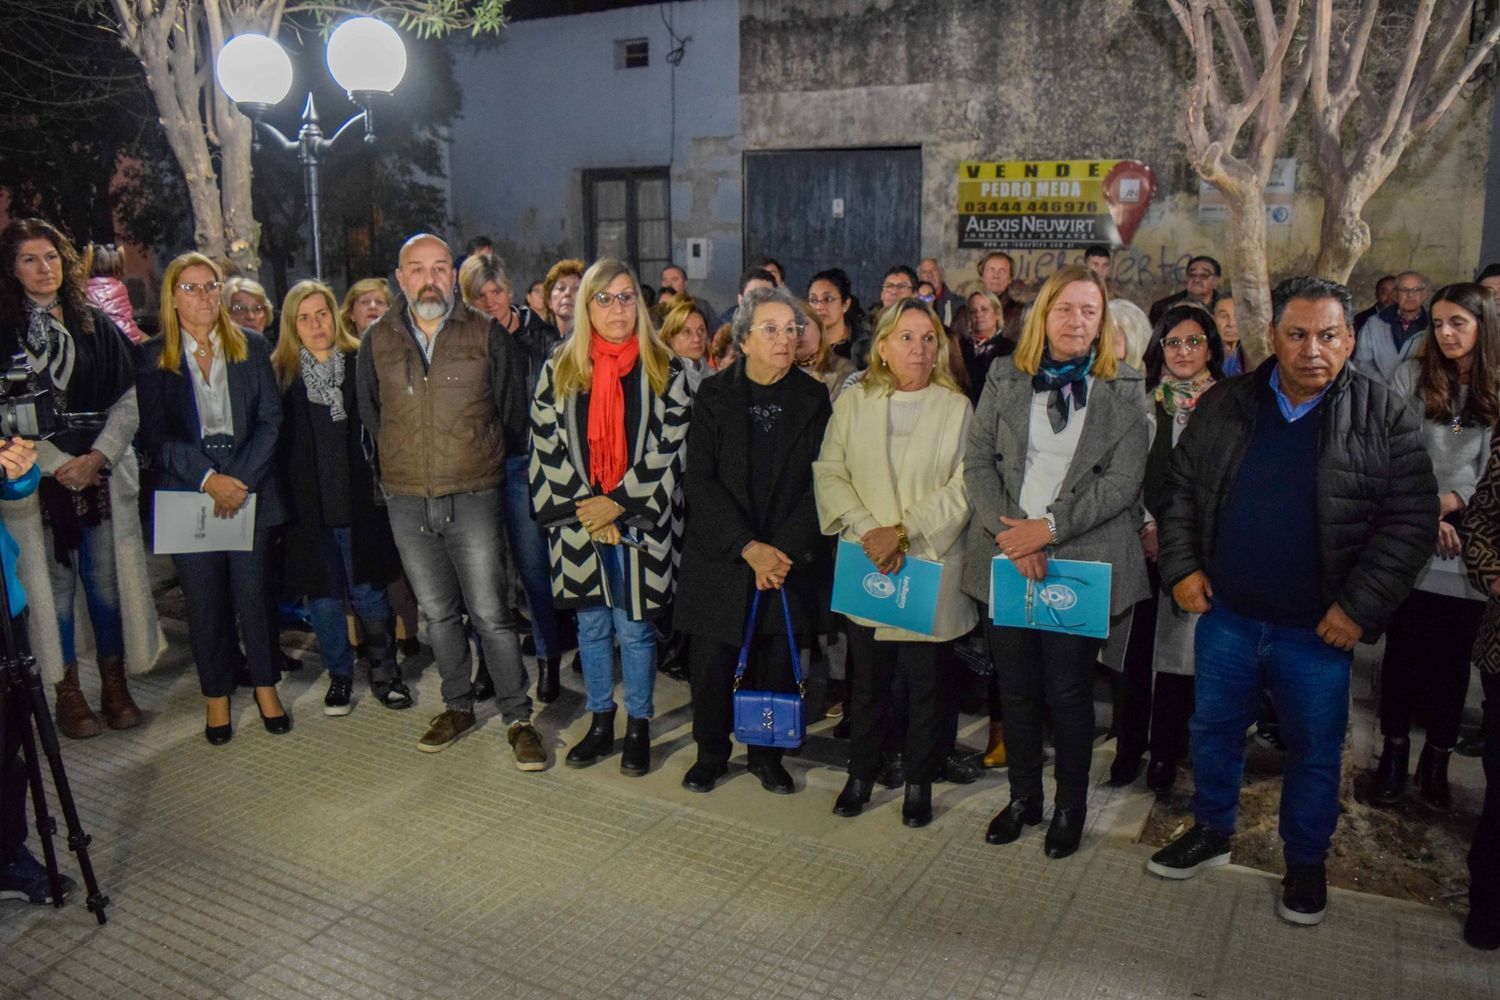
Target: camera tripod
{"x": 25, "y": 707}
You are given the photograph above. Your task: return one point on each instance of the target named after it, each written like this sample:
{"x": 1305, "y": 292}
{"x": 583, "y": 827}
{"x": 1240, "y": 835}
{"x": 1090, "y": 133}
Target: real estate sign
{"x": 1051, "y": 204}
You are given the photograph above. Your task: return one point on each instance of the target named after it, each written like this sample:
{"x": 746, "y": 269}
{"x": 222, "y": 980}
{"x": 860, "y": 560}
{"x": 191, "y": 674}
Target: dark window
{"x": 628, "y": 215}
{"x": 632, "y": 53}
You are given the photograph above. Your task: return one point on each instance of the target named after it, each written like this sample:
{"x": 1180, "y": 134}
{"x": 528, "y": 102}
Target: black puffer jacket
{"x": 537, "y": 339}
{"x": 1377, "y": 498}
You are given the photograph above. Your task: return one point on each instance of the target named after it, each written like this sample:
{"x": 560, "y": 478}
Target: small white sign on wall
{"x": 1280, "y": 191}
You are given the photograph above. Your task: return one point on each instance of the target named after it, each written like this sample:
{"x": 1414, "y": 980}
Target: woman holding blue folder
{"x": 890, "y": 477}
{"x": 1055, "y": 460}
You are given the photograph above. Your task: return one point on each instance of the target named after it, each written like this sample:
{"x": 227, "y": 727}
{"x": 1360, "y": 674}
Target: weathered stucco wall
{"x": 546, "y": 102}
{"x": 1027, "y": 79}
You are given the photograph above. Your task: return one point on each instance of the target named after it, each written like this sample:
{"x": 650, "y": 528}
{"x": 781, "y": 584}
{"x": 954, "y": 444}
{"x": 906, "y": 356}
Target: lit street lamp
{"x": 365, "y": 56}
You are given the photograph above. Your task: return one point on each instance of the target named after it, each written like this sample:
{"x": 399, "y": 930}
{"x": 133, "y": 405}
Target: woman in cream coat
{"x": 890, "y": 477}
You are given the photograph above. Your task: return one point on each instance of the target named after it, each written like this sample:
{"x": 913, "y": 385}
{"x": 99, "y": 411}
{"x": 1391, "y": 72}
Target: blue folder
{"x": 1073, "y": 598}
{"x": 905, "y": 600}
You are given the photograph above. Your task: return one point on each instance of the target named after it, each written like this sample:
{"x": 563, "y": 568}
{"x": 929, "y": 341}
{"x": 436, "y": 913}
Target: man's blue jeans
{"x": 598, "y": 627}
{"x": 1309, "y": 683}
{"x": 370, "y": 606}
{"x": 528, "y": 546}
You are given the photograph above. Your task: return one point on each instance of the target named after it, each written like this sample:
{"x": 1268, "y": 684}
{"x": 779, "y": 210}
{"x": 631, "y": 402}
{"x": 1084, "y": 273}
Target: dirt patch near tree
{"x": 1405, "y": 852}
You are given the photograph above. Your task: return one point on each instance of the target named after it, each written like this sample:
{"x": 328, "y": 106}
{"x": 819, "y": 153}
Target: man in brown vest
{"x": 442, "y": 389}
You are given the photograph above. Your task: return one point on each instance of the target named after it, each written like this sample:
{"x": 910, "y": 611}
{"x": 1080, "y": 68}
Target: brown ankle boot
{"x": 119, "y": 709}
{"x": 75, "y": 719}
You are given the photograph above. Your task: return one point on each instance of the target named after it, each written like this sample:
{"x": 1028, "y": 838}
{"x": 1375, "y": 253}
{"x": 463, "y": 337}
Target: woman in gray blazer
{"x": 1054, "y": 464}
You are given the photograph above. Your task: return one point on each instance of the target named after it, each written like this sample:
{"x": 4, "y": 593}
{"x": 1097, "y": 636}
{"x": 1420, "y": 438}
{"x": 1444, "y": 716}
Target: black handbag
{"x": 768, "y": 718}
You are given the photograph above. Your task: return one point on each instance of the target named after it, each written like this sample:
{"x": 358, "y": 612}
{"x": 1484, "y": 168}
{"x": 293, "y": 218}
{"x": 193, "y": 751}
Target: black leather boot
{"x": 1065, "y": 833}
{"x": 1390, "y": 774}
{"x": 1010, "y": 821}
{"x": 548, "y": 684}
{"x": 1432, "y": 778}
{"x": 851, "y": 801}
{"x": 635, "y": 759}
{"x": 916, "y": 811}
{"x": 597, "y": 744}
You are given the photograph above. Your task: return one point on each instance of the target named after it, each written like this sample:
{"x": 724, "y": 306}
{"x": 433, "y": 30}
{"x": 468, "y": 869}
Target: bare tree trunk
{"x": 1246, "y": 229}
{"x": 1345, "y": 235}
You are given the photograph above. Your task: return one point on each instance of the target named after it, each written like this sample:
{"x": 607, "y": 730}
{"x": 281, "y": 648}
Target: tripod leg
{"x": 78, "y": 841}
{"x": 46, "y": 826}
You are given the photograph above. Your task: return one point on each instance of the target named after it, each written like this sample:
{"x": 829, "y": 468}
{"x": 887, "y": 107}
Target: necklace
{"x": 1457, "y": 424}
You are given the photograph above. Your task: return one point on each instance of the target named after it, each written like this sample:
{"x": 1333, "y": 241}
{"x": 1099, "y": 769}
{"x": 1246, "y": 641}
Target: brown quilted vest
{"x": 439, "y": 431}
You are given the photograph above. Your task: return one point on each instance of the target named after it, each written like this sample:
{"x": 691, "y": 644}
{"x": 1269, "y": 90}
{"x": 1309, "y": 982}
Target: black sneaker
{"x": 337, "y": 700}
{"x": 1190, "y": 853}
{"x": 24, "y": 877}
{"x": 1304, "y": 894}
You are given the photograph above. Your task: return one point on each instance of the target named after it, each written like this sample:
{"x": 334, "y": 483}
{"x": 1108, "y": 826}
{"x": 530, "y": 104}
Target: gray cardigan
{"x": 1098, "y": 507}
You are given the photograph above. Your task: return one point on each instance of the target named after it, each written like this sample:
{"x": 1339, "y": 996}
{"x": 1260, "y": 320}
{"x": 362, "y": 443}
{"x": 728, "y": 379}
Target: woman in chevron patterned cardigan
{"x": 609, "y": 422}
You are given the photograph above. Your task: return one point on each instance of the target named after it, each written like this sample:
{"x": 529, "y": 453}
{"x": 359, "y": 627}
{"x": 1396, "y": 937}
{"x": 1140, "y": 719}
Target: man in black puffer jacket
{"x": 1302, "y": 506}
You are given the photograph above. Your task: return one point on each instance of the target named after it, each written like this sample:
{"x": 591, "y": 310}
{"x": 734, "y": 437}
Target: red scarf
{"x": 608, "y": 456}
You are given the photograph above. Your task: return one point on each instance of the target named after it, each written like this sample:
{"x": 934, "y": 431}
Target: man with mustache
{"x": 1302, "y": 506}
{"x": 442, "y": 390}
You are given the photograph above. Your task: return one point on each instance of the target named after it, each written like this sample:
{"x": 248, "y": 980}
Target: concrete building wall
{"x": 1025, "y": 79}
{"x": 546, "y": 102}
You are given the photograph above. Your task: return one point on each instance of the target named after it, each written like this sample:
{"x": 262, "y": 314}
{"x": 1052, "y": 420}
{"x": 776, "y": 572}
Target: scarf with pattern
{"x": 1068, "y": 384}
{"x": 324, "y": 381}
{"x": 1179, "y": 397}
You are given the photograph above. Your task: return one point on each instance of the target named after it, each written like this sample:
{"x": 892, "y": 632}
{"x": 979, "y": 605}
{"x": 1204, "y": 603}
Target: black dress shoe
{"x": 702, "y": 776}
{"x": 773, "y": 777}
{"x": 598, "y": 743}
{"x": 548, "y": 685}
{"x": 1124, "y": 771}
{"x": 851, "y": 801}
{"x": 1012, "y": 820}
{"x": 1161, "y": 775}
{"x": 916, "y": 811}
{"x": 1065, "y": 833}
{"x": 959, "y": 769}
{"x": 276, "y": 725}
{"x": 218, "y": 735}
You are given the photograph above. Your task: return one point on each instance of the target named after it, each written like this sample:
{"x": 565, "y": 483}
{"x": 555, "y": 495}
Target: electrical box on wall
{"x": 698, "y": 251}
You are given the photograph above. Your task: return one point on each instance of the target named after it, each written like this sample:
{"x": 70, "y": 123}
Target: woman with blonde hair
{"x": 608, "y": 426}
{"x": 1056, "y": 458}
{"x": 684, "y": 329}
{"x": 338, "y": 540}
{"x": 485, "y": 286}
{"x": 248, "y": 304}
{"x": 889, "y": 477}
{"x": 210, "y": 418}
{"x": 366, "y": 301}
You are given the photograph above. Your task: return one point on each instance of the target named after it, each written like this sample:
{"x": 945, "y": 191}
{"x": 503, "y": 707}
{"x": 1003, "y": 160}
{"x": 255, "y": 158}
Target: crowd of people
{"x": 656, "y": 482}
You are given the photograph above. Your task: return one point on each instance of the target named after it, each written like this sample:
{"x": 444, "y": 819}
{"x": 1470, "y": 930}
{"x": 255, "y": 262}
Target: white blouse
{"x": 1048, "y": 454}
{"x": 215, "y": 415}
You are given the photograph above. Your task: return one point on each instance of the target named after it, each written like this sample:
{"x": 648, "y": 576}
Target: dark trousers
{"x": 1427, "y": 652}
{"x": 1130, "y": 686}
{"x": 876, "y": 666}
{"x": 711, "y": 667}
{"x": 1046, "y": 670}
{"x": 216, "y": 586}
{"x": 12, "y": 763}
{"x": 1171, "y": 708}
{"x": 1484, "y": 855}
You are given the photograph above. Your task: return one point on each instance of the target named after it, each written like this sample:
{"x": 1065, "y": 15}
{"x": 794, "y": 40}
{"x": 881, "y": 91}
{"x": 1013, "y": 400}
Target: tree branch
{"x": 1481, "y": 51}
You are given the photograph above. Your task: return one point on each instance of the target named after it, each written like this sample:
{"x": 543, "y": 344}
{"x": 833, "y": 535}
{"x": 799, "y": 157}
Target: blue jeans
{"x": 94, "y": 564}
{"x": 1309, "y": 683}
{"x": 370, "y": 605}
{"x": 528, "y": 547}
{"x": 597, "y": 629}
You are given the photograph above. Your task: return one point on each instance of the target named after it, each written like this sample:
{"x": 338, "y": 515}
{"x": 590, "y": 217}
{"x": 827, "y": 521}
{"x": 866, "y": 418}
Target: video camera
{"x": 33, "y": 413}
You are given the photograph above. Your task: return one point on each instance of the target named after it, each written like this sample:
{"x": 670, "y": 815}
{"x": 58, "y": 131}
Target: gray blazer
{"x": 1097, "y": 511}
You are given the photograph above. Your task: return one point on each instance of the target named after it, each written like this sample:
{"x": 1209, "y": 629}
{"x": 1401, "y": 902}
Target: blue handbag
{"x": 768, "y": 718}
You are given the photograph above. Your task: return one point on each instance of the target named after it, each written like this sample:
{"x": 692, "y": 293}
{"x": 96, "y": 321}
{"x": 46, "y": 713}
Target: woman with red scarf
{"x": 609, "y": 422}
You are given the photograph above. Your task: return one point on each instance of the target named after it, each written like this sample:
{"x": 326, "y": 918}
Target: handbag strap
{"x": 791, "y": 641}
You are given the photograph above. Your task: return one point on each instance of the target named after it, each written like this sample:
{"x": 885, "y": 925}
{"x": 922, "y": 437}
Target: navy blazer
{"x": 171, "y": 435}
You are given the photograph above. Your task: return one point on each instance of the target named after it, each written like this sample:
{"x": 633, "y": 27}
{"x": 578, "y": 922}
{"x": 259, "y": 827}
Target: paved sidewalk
{"x": 340, "y": 862}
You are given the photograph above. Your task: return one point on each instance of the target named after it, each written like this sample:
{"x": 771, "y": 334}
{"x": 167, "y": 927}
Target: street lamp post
{"x": 365, "y": 56}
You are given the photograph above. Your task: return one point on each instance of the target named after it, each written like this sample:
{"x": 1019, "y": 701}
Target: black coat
{"x": 714, "y": 584}
{"x": 373, "y": 548}
{"x": 171, "y": 434}
{"x": 1377, "y": 498}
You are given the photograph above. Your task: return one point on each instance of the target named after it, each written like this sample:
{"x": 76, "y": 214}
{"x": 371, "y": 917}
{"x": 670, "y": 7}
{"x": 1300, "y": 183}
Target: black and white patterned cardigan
{"x": 651, "y": 494}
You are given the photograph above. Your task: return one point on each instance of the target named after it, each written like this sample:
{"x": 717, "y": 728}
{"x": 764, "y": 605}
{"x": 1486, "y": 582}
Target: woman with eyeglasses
{"x": 210, "y": 420}
{"x": 1453, "y": 383}
{"x": 68, "y": 530}
{"x": 889, "y": 477}
{"x": 1184, "y": 359}
{"x": 366, "y": 301}
{"x": 684, "y": 329}
{"x": 831, "y": 295}
{"x": 1062, "y": 481}
{"x": 608, "y": 425}
{"x": 752, "y": 529}
{"x": 249, "y": 305}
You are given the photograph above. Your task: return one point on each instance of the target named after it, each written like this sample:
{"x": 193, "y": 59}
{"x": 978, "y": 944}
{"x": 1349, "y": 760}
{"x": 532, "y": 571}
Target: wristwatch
{"x": 903, "y": 544}
{"x": 1051, "y": 527}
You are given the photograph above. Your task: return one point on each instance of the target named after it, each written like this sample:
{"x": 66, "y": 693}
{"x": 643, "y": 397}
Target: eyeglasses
{"x": 199, "y": 288}
{"x": 1183, "y": 344}
{"x": 240, "y": 309}
{"x": 607, "y": 299}
{"x": 896, "y": 286}
{"x": 926, "y": 298}
{"x": 822, "y": 300}
{"x": 771, "y": 331}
